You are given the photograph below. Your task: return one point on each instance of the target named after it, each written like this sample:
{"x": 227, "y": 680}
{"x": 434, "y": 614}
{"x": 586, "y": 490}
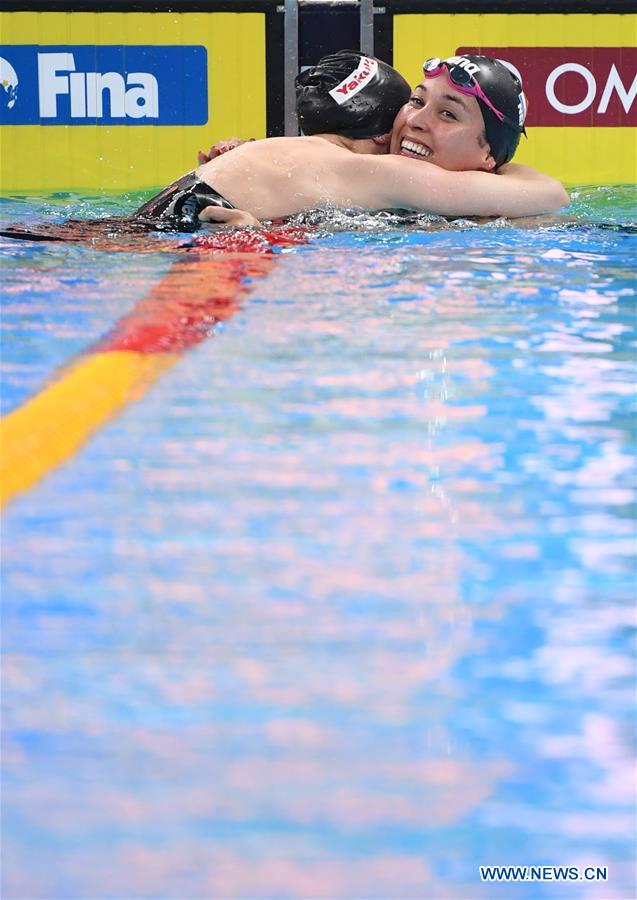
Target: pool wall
{"x": 118, "y": 95}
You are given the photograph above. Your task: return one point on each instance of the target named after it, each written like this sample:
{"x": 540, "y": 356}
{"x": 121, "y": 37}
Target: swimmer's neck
{"x": 356, "y": 145}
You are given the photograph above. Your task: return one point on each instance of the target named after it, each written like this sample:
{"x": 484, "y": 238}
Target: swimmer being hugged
{"x": 366, "y": 137}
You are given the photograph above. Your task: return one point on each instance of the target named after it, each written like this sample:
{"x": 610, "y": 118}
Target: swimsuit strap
{"x": 182, "y": 213}
{"x": 177, "y": 207}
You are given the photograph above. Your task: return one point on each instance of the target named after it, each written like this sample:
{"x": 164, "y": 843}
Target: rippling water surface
{"x": 342, "y": 607}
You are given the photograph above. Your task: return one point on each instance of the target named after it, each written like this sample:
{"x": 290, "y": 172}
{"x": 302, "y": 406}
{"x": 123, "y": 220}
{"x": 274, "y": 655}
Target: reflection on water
{"x": 342, "y": 608}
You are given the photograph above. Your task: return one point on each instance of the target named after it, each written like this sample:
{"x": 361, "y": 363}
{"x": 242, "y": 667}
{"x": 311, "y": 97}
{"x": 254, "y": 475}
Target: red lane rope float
{"x": 180, "y": 311}
{"x": 128, "y": 235}
{"x": 203, "y": 288}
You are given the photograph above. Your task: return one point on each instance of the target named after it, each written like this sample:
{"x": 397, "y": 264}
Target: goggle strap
{"x": 434, "y": 67}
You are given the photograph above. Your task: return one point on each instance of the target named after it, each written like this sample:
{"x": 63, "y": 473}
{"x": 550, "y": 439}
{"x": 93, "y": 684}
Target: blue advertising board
{"x": 103, "y": 85}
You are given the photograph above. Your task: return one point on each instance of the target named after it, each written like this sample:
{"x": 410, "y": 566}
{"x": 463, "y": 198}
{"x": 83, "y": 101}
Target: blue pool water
{"x": 343, "y": 607}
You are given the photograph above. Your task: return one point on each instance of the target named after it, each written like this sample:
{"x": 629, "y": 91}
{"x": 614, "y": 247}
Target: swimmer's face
{"x": 442, "y": 126}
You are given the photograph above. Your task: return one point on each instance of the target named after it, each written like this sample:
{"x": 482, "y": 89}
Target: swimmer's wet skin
{"x": 465, "y": 125}
{"x": 347, "y": 105}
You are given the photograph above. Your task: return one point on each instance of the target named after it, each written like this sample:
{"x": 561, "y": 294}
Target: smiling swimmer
{"x": 498, "y": 92}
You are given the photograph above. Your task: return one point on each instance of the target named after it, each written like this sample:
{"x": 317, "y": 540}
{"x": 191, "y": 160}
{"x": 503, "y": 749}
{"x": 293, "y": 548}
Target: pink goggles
{"x": 464, "y": 82}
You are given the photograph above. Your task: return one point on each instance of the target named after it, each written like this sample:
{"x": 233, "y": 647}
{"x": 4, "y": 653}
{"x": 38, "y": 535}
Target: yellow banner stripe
{"x": 53, "y": 425}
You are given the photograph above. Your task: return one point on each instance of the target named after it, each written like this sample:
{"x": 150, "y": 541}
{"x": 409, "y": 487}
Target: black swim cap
{"x": 504, "y": 90}
{"x": 351, "y": 94}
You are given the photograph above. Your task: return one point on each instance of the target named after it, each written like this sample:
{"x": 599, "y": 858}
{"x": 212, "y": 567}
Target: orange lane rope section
{"x": 53, "y": 425}
{"x": 202, "y": 289}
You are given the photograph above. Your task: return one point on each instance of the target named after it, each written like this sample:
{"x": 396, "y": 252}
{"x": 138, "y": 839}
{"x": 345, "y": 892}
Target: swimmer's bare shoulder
{"x": 277, "y": 176}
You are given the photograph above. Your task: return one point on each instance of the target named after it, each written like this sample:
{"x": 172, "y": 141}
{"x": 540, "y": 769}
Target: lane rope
{"x": 203, "y": 288}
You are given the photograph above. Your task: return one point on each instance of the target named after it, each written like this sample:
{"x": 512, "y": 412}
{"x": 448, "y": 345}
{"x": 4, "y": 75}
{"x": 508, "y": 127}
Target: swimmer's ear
{"x": 489, "y": 164}
{"x": 382, "y": 139}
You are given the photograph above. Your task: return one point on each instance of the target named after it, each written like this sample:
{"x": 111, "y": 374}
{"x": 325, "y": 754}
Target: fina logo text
{"x": 133, "y": 97}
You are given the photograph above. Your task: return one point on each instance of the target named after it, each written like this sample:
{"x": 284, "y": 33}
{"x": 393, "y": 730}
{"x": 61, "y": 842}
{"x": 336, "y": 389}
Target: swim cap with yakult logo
{"x": 498, "y": 92}
{"x": 350, "y": 94}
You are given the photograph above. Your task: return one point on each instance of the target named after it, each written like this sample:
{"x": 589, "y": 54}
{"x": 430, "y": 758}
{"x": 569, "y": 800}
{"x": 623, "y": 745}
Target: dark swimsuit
{"x": 177, "y": 207}
{"x": 174, "y": 209}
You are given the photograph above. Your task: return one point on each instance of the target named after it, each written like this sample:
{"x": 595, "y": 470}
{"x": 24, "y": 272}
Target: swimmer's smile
{"x": 417, "y": 151}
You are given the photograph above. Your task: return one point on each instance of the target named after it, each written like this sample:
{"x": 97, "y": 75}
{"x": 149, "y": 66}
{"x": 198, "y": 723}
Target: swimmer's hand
{"x": 219, "y": 149}
{"x": 233, "y": 217}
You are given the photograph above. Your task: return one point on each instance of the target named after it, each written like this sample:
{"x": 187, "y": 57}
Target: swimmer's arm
{"x": 542, "y": 189}
{"x": 516, "y": 191}
{"x": 513, "y": 193}
{"x": 532, "y": 176}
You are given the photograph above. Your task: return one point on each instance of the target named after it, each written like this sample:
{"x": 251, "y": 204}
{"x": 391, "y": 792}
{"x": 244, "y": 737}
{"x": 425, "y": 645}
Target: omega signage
{"x": 574, "y": 86}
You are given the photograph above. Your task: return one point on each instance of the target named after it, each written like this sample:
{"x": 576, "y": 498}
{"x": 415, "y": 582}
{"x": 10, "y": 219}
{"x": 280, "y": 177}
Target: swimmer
{"x": 467, "y": 123}
{"x": 326, "y": 104}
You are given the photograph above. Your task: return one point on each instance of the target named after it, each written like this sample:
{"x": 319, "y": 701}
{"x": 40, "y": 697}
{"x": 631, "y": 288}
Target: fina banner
{"x": 73, "y": 84}
{"x": 103, "y": 85}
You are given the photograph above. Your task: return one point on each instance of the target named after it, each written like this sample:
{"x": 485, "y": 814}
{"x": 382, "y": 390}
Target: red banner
{"x": 574, "y": 86}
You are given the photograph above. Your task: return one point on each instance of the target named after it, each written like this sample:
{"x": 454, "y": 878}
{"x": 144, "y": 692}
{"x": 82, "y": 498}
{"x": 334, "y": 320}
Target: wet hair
{"x": 350, "y": 94}
{"x": 504, "y": 90}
